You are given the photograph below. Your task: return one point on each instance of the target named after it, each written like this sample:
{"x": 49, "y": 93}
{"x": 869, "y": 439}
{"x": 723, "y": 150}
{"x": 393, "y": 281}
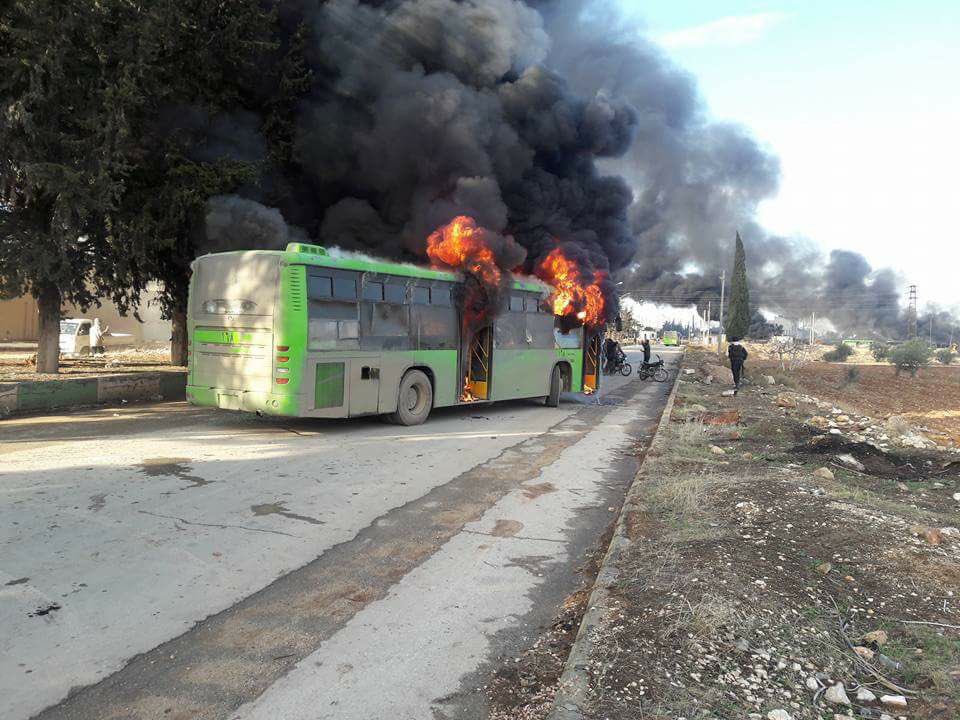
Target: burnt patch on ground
{"x": 172, "y": 467}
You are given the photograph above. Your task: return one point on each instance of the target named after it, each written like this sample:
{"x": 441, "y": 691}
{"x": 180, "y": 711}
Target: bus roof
{"x": 306, "y": 254}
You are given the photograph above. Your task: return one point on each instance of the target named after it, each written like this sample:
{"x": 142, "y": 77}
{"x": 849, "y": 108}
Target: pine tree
{"x": 738, "y": 318}
{"x": 161, "y": 214}
{"x": 61, "y": 157}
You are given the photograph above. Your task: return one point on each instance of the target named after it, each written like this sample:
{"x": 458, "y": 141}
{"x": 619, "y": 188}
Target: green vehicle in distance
{"x": 670, "y": 338}
{"x": 304, "y": 332}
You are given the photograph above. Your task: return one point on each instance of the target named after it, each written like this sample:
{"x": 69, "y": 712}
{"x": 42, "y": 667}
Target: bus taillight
{"x": 283, "y": 348}
{"x": 282, "y": 381}
{"x": 283, "y": 358}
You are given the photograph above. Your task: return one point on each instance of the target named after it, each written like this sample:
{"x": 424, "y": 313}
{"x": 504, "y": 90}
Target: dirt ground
{"x": 931, "y": 399}
{"x": 767, "y": 573}
{"x": 17, "y": 365}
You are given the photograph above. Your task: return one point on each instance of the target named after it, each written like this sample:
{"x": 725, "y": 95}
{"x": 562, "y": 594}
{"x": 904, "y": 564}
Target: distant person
{"x": 96, "y": 333}
{"x": 738, "y": 355}
{"x": 646, "y": 350}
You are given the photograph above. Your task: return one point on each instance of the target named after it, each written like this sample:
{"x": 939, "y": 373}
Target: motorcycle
{"x": 654, "y": 370}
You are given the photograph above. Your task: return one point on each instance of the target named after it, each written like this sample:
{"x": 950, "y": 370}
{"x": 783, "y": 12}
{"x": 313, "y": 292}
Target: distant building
{"x": 20, "y": 320}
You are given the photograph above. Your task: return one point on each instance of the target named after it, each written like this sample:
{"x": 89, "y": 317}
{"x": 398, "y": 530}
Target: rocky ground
{"x": 789, "y": 559}
{"x": 862, "y": 387}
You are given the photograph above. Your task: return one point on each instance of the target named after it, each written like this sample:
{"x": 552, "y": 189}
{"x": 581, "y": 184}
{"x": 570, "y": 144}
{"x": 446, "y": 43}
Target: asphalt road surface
{"x": 164, "y": 561}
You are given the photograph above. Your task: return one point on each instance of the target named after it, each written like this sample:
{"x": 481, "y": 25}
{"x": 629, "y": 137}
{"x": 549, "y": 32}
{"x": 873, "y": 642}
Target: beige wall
{"x": 19, "y": 320}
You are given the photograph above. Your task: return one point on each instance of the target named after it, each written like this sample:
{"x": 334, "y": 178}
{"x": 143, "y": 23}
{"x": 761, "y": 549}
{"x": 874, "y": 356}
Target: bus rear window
{"x": 516, "y": 303}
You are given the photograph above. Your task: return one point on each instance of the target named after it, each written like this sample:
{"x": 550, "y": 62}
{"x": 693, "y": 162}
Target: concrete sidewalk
{"x": 573, "y": 691}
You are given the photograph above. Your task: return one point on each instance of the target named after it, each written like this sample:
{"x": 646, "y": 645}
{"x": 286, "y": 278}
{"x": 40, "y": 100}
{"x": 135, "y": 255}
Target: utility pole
{"x": 931, "y": 329}
{"x": 723, "y": 280}
{"x": 709, "y": 315}
{"x": 813, "y": 326}
{"x": 912, "y": 313}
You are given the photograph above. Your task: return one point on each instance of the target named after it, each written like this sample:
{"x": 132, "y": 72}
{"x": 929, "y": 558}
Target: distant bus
{"x": 304, "y": 333}
{"x": 670, "y": 337}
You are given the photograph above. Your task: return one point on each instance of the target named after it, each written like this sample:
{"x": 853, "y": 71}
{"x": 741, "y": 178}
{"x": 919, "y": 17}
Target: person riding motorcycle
{"x": 615, "y": 356}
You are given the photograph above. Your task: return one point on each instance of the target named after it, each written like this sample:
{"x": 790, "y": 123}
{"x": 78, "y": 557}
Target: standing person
{"x": 646, "y": 350}
{"x": 737, "y": 354}
{"x": 96, "y": 334}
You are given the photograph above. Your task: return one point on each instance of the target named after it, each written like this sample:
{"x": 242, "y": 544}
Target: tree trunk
{"x": 48, "y": 347}
{"x": 178, "y": 339}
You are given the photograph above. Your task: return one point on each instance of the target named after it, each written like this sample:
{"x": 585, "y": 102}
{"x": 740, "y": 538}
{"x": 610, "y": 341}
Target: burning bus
{"x": 307, "y": 332}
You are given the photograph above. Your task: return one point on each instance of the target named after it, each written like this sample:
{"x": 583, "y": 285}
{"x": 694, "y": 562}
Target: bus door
{"x": 478, "y": 366}
{"x": 591, "y": 362}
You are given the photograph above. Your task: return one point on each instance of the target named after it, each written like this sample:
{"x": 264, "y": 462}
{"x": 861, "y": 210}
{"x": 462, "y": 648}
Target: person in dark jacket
{"x": 614, "y": 354}
{"x": 737, "y": 354}
{"x": 646, "y": 351}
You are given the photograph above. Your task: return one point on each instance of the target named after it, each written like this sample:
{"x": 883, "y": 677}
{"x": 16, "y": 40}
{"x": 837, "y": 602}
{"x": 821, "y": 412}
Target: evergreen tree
{"x": 61, "y": 163}
{"x": 201, "y": 68}
{"x": 738, "y": 317}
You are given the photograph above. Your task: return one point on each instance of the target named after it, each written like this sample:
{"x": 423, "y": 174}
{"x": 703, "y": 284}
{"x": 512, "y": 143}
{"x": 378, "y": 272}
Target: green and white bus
{"x": 308, "y": 333}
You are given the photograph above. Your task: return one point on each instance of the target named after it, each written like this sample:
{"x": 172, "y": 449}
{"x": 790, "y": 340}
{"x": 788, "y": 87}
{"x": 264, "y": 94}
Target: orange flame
{"x": 572, "y": 296}
{"x": 466, "y": 394}
{"x": 459, "y": 245}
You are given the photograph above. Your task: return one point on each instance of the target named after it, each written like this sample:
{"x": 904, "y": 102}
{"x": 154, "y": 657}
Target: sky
{"x": 861, "y": 102}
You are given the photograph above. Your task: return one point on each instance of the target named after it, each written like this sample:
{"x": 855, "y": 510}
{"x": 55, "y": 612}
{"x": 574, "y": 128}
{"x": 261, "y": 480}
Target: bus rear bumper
{"x": 243, "y": 400}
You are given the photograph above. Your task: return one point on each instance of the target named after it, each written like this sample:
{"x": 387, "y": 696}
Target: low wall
{"x": 23, "y": 397}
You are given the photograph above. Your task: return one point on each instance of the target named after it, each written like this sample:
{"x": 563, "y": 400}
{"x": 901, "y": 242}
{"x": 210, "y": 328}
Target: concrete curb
{"x": 39, "y": 396}
{"x": 573, "y": 690}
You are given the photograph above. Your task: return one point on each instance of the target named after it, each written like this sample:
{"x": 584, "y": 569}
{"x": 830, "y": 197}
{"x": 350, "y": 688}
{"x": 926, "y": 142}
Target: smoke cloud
{"x": 549, "y": 121}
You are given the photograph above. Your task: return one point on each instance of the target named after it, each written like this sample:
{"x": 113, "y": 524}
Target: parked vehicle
{"x": 75, "y": 336}
{"x": 670, "y": 338}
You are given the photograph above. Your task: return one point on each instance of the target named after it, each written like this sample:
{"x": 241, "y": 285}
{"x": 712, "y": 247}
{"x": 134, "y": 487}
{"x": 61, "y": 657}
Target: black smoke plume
{"x": 549, "y": 121}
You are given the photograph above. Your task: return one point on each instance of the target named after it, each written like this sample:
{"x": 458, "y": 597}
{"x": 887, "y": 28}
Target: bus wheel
{"x": 414, "y": 401}
{"x": 553, "y": 399}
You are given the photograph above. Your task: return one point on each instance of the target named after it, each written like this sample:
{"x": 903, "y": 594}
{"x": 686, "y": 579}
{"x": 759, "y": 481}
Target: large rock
{"x": 823, "y": 473}
{"x": 717, "y": 373}
{"x": 786, "y": 401}
{"x": 851, "y": 462}
{"x": 877, "y": 637}
{"x": 897, "y": 701}
{"x": 837, "y": 695}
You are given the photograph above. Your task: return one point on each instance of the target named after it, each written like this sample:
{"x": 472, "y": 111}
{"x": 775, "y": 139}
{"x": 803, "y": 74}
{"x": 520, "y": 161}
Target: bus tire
{"x": 553, "y": 399}
{"x": 414, "y": 399}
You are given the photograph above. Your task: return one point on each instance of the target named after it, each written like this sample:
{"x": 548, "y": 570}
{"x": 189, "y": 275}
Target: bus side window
{"x": 393, "y": 293}
{"x": 319, "y": 287}
{"x": 440, "y": 296}
{"x": 373, "y": 291}
{"x": 345, "y": 288}
{"x": 420, "y": 295}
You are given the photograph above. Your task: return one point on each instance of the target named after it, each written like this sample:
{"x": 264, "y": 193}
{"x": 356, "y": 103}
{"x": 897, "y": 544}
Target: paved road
{"x": 163, "y": 561}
